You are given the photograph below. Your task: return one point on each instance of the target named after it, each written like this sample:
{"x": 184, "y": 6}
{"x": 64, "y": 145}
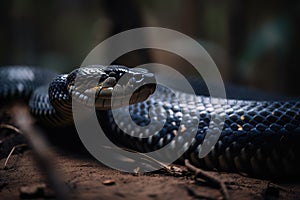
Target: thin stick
{"x": 270, "y": 184}
{"x": 144, "y": 157}
{"x": 41, "y": 149}
{"x": 10, "y": 127}
{"x": 199, "y": 173}
{"x": 11, "y": 152}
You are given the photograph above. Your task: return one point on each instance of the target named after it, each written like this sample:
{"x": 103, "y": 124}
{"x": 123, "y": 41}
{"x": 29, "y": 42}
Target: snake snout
{"x": 136, "y": 84}
{"x": 145, "y": 85}
{"x": 142, "y": 79}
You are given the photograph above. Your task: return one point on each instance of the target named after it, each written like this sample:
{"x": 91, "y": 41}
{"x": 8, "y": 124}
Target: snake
{"x": 257, "y": 138}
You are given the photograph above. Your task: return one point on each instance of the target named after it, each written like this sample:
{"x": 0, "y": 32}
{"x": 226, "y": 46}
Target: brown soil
{"x": 82, "y": 177}
{"x": 86, "y": 178}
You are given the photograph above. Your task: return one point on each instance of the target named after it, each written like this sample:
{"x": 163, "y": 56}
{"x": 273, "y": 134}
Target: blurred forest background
{"x": 254, "y": 43}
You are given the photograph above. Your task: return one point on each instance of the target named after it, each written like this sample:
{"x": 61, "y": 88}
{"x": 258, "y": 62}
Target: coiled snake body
{"x": 258, "y": 137}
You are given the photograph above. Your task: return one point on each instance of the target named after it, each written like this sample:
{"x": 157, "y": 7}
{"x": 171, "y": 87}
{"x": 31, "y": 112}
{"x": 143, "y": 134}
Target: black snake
{"x": 258, "y": 137}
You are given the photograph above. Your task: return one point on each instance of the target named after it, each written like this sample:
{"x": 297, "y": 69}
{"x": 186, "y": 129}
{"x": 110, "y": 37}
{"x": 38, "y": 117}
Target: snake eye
{"x": 109, "y": 82}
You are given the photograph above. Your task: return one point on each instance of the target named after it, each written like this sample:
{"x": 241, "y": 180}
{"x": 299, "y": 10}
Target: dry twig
{"x": 41, "y": 149}
{"x": 11, "y": 152}
{"x": 10, "y": 127}
{"x": 199, "y": 173}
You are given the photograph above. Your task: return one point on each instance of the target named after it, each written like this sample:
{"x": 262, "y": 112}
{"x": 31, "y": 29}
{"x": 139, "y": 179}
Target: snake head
{"x": 124, "y": 85}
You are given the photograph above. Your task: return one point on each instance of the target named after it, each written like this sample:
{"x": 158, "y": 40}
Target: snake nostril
{"x": 132, "y": 80}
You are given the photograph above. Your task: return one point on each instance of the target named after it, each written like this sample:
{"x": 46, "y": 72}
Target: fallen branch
{"x": 199, "y": 173}
{"x": 41, "y": 149}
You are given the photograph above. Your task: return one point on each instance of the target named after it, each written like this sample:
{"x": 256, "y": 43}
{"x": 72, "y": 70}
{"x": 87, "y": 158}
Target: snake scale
{"x": 259, "y": 138}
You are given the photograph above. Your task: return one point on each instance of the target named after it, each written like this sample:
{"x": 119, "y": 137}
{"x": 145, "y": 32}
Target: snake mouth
{"x": 117, "y": 85}
{"x": 106, "y": 99}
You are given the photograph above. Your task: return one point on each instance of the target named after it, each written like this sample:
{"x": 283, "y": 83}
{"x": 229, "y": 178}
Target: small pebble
{"x": 109, "y": 182}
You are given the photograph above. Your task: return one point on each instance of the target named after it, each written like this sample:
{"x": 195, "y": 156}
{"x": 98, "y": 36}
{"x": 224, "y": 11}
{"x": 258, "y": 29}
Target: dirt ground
{"x": 82, "y": 177}
{"x": 85, "y": 178}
